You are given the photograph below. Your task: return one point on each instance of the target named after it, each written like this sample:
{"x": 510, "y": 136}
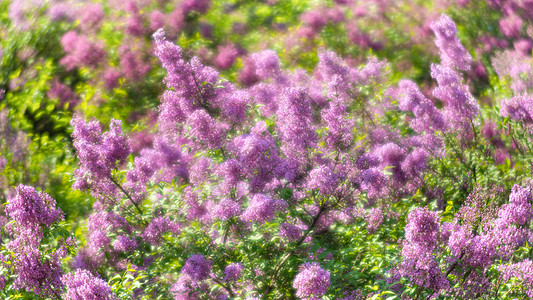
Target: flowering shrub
{"x": 276, "y": 150}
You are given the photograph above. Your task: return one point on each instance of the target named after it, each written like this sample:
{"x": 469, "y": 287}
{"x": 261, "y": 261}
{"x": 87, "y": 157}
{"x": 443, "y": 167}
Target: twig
{"x": 126, "y": 193}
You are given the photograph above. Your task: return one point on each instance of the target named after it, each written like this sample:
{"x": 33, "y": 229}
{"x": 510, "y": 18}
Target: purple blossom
{"x": 189, "y": 78}
{"x": 339, "y": 78}
{"x": 37, "y": 274}
{"x": 227, "y": 209}
{"x": 197, "y": 267}
{"x": 101, "y": 225}
{"x": 82, "y": 285}
{"x": 262, "y": 209}
{"x": 415, "y": 162}
{"x": 452, "y": 52}
{"x": 231, "y": 170}
{"x": 80, "y": 51}
{"x": 518, "y": 108}
{"x": 132, "y": 66}
{"x": 312, "y": 282}
{"x": 374, "y": 219}
{"x": 422, "y": 229}
{"x": 184, "y": 289}
{"x": 511, "y": 26}
{"x": 523, "y": 46}
{"x": 323, "y": 179}
{"x": 522, "y": 272}
{"x": 294, "y": 123}
{"x": 61, "y": 12}
{"x": 339, "y": 125}
{"x": 205, "y": 130}
{"x": 267, "y": 64}
{"x": 162, "y": 163}
{"x": 200, "y": 6}
{"x": 98, "y": 154}
{"x": 153, "y": 234}
{"x": 91, "y": 17}
{"x": 111, "y": 79}
{"x": 460, "y": 106}
{"x": 259, "y": 153}
{"x": 124, "y": 244}
{"x": 233, "y": 272}
{"x": 427, "y": 117}
{"x": 418, "y": 263}
{"x": 374, "y": 183}
{"x": 226, "y": 56}
{"x": 134, "y": 23}
{"x": 316, "y": 19}
{"x": 30, "y": 208}
{"x": 290, "y": 232}
{"x": 157, "y": 20}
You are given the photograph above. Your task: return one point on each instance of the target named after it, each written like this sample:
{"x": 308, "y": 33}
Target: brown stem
{"x": 291, "y": 252}
{"x": 226, "y": 287}
{"x": 115, "y": 182}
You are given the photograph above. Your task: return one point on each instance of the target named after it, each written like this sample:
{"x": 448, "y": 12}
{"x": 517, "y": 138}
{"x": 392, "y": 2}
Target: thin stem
{"x": 226, "y": 287}
{"x": 115, "y": 182}
{"x": 291, "y": 252}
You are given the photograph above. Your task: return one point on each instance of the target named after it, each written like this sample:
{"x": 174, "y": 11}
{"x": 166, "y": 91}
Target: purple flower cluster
{"x": 99, "y": 154}
{"x": 80, "y": 51}
{"x": 31, "y": 209}
{"x": 163, "y": 162}
{"x": 290, "y": 231}
{"x": 189, "y": 78}
{"x": 102, "y": 225}
{"x": 374, "y": 219}
{"x": 312, "y": 282}
{"x": 153, "y": 234}
{"x": 518, "y": 108}
{"x": 35, "y": 272}
{"x": 427, "y": 117}
{"x": 197, "y": 267}
{"x": 233, "y": 272}
{"x": 82, "y": 285}
{"x": 262, "y": 209}
{"x": 418, "y": 261}
{"x": 323, "y": 179}
{"x": 523, "y": 274}
{"x": 452, "y": 52}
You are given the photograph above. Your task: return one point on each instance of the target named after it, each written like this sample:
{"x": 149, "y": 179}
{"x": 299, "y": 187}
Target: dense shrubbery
{"x": 286, "y": 149}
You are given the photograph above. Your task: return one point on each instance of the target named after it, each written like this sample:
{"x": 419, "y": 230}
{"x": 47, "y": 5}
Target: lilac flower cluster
{"x": 82, "y": 285}
{"x": 418, "y": 261}
{"x": 233, "y": 272}
{"x": 99, "y": 154}
{"x": 31, "y": 209}
{"x": 518, "y": 108}
{"x": 480, "y": 236}
{"x": 312, "y": 282}
{"x": 262, "y": 209}
{"x": 452, "y": 52}
{"x": 375, "y": 218}
{"x": 80, "y": 51}
{"x": 35, "y": 272}
{"x": 427, "y": 117}
{"x": 102, "y": 225}
{"x": 522, "y": 272}
{"x": 197, "y": 267}
{"x": 162, "y": 163}
{"x": 290, "y": 231}
{"x": 153, "y": 234}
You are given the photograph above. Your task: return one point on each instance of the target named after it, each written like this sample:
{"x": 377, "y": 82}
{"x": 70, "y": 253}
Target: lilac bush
{"x": 340, "y": 155}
